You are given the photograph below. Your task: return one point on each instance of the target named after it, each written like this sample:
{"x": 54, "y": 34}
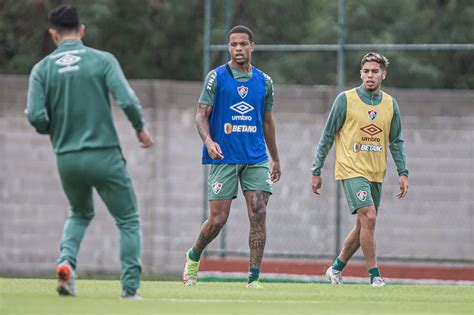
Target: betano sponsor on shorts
{"x": 357, "y": 147}
{"x": 229, "y": 128}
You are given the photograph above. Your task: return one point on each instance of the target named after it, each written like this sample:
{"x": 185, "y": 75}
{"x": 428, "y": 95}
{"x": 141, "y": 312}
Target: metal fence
{"x": 326, "y": 227}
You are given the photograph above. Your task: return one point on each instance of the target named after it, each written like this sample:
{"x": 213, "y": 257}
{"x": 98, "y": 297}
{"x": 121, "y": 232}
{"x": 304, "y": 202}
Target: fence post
{"x": 205, "y": 70}
{"x": 228, "y": 22}
{"x": 340, "y": 88}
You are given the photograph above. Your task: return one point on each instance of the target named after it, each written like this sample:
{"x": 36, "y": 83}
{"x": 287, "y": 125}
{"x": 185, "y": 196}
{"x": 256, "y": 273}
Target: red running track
{"x": 356, "y": 269}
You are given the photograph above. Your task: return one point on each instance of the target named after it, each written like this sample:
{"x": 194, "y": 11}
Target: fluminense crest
{"x": 216, "y": 187}
{"x": 243, "y": 90}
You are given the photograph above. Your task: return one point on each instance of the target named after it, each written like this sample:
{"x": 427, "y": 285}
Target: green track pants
{"x": 104, "y": 170}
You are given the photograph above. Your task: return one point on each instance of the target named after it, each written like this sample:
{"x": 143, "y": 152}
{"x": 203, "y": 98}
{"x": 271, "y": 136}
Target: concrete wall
{"x": 435, "y": 220}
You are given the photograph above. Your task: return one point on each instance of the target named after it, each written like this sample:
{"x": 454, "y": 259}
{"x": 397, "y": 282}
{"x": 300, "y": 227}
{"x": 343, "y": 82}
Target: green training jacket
{"x": 68, "y": 98}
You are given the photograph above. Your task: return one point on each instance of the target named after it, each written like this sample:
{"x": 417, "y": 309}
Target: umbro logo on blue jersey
{"x": 242, "y": 108}
{"x": 243, "y": 91}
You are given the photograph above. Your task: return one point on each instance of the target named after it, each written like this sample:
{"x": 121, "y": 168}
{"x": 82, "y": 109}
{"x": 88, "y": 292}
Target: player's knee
{"x": 371, "y": 218}
{"x": 259, "y": 211}
{"x": 85, "y": 216}
{"x": 129, "y": 220}
{"x": 368, "y": 216}
{"x": 218, "y": 222}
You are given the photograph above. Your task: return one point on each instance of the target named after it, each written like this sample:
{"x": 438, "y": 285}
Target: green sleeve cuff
{"x": 403, "y": 173}
{"x": 135, "y": 116}
{"x": 316, "y": 172}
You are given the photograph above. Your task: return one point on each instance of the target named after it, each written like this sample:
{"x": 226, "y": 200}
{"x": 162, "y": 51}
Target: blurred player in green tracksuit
{"x": 68, "y": 99}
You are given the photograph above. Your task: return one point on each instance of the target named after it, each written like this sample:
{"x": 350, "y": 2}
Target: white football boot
{"x": 334, "y": 276}
{"x": 378, "y": 282}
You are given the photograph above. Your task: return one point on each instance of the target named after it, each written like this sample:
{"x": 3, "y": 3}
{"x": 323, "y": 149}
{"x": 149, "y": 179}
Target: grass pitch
{"x": 38, "y": 296}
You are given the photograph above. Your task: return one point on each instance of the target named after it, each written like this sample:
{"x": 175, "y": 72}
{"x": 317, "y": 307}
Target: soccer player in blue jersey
{"x": 234, "y": 119}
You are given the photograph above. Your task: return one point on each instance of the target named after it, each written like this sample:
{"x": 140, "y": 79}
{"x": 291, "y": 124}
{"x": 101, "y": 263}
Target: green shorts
{"x": 361, "y": 193}
{"x": 223, "y": 179}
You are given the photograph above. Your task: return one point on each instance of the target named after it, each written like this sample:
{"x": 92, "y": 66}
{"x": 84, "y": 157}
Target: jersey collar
{"x": 241, "y": 75}
{"x": 70, "y": 42}
{"x": 369, "y": 97}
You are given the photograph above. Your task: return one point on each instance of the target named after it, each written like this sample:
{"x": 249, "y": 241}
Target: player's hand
{"x": 214, "y": 150}
{"x": 316, "y": 183}
{"x": 403, "y": 186}
{"x": 276, "y": 171}
{"x": 145, "y": 138}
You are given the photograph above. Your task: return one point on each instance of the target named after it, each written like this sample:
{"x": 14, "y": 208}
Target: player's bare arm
{"x": 270, "y": 139}
{"x": 202, "y": 124}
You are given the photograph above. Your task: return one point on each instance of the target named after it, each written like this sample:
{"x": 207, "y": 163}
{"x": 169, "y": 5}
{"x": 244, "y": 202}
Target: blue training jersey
{"x": 236, "y": 120}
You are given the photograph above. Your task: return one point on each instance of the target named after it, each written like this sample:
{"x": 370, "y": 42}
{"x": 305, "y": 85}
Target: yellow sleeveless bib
{"x": 362, "y": 142}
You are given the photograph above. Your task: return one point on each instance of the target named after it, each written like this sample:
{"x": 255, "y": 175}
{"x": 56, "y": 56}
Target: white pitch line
{"x": 311, "y": 278}
{"x": 226, "y": 301}
{"x": 235, "y": 301}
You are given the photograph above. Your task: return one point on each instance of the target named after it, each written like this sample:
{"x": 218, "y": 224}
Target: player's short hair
{"x": 64, "y": 19}
{"x": 241, "y": 29}
{"x": 375, "y": 57}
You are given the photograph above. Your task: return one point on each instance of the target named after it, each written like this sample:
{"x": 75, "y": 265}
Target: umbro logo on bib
{"x": 242, "y": 108}
{"x": 371, "y": 129}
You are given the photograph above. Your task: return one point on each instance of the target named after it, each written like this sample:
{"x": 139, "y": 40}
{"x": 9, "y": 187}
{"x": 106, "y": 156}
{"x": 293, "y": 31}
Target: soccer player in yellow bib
{"x": 364, "y": 121}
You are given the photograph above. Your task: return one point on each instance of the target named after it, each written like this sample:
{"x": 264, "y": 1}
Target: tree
{"x": 162, "y": 39}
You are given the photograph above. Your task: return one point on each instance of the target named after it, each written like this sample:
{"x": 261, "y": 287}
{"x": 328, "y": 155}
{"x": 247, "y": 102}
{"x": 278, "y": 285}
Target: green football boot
{"x": 255, "y": 285}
